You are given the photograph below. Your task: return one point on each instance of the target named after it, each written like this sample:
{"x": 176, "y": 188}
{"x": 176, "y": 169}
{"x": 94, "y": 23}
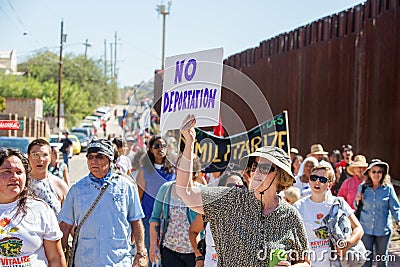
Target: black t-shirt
{"x": 66, "y": 143}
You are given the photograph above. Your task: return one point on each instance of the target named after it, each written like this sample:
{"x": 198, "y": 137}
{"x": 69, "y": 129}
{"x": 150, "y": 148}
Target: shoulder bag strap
{"x": 162, "y": 213}
{"x": 71, "y": 254}
{"x": 363, "y": 188}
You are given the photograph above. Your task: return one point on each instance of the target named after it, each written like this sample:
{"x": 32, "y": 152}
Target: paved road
{"x": 78, "y": 163}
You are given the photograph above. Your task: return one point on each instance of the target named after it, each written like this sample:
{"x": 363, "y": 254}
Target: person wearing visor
{"x": 252, "y": 227}
{"x": 314, "y": 208}
{"x": 115, "y": 222}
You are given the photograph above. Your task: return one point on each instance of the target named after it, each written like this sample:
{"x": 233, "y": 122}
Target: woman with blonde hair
{"x": 314, "y": 208}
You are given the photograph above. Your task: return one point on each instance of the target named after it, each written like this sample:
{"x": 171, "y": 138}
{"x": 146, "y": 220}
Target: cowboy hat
{"x": 274, "y": 154}
{"x": 359, "y": 161}
{"x": 317, "y": 149}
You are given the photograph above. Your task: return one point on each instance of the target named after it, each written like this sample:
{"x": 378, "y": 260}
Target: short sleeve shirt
{"x": 313, "y": 214}
{"x": 243, "y": 235}
{"x": 21, "y": 237}
{"x": 104, "y": 239}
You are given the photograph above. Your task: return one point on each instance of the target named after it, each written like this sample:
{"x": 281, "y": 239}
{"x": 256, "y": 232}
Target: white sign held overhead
{"x": 192, "y": 85}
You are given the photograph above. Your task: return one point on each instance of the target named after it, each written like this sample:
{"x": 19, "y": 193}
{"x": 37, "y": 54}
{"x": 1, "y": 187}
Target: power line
{"x": 10, "y": 19}
{"x": 20, "y": 21}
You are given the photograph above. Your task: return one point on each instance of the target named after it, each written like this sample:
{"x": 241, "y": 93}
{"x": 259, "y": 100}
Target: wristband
{"x": 141, "y": 254}
{"x": 199, "y": 258}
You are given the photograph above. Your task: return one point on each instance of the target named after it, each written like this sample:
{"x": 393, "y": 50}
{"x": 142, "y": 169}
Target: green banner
{"x": 216, "y": 152}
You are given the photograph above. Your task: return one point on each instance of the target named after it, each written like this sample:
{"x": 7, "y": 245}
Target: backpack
{"x": 339, "y": 229}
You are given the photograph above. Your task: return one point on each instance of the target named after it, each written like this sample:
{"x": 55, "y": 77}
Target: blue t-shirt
{"x": 104, "y": 239}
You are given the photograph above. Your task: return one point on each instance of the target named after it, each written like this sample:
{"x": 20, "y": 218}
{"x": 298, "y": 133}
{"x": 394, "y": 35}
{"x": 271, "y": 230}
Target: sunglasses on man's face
{"x": 158, "y": 146}
{"x": 97, "y": 156}
{"x": 322, "y": 179}
{"x": 264, "y": 168}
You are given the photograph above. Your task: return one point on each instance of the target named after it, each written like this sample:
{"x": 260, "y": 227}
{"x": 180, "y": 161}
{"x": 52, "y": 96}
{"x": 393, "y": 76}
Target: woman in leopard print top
{"x": 248, "y": 226}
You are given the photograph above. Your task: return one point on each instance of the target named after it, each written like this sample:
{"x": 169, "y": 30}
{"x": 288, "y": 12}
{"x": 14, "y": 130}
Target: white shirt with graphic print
{"x": 21, "y": 237}
{"x": 313, "y": 214}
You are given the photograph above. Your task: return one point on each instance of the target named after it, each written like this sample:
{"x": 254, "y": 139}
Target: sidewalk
{"x": 394, "y": 249}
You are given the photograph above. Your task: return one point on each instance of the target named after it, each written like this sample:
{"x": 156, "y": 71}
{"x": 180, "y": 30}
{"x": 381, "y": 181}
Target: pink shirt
{"x": 348, "y": 190}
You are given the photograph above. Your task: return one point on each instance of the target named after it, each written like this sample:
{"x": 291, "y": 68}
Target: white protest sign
{"x": 192, "y": 85}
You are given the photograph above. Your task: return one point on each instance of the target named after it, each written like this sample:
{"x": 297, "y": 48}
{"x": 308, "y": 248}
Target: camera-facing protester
{"x": 248, "y": 226}
{"x": 105, "y": 205}
{"x": 29, "y": 230}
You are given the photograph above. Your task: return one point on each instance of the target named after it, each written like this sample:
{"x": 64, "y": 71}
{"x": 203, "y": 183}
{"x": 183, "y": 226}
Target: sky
{"x": 29, "y": 26}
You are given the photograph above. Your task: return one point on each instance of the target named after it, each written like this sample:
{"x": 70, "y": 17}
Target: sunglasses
{"x": 377, "y": 172}
{"x": 97, "y": 156}
{"x": 235, "y": 185}
{"x": 158, "y": 146}
{"x": 322, "y": 179}
{"x": 38, "y": 155}
{"x": 264, "y": 168}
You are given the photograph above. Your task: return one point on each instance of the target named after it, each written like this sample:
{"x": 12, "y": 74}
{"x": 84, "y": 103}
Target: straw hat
{"x": 317, "y": 149}
{"x": 378, "y": 162}
{"x": 274, "y": 154}
{"x": 359, "y": 161}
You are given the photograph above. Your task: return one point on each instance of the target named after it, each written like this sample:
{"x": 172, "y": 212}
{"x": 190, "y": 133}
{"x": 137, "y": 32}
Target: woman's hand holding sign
{"x": 184, "y": 183}
{"x": 187, "y": 129}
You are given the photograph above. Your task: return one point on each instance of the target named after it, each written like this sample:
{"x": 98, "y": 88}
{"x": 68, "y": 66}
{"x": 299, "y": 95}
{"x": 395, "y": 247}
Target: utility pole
{"x": 105, "y": 59}
{"x": 63, "y": 39}
{"x": 162, "y": 10}
{"x": 86, "y": 44}
{"x": 115, "y": 55}
{"x": 111, "y": 58}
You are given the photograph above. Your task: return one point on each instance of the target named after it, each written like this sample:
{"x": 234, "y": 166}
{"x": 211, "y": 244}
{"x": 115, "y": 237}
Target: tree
{"x": 84, "y": 85}
{"x": 2, "y": 104}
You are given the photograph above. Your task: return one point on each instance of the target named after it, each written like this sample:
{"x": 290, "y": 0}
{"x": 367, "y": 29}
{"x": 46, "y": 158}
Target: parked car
{"x": 85, "y": 130}
{"x": 76, "y": 144}
{"x": 20, "y": 143}
{"x": 83, "y": 140}
{"x": 95, "y": 120}
{"x": 99, "y": 115}
{"x": 87, "y": 123}
{"x": 106, "y": 111}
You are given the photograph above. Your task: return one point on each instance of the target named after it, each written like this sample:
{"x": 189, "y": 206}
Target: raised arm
{"x": 184, "y": 183}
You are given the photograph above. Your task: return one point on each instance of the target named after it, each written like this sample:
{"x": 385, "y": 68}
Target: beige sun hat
{"x": 378, "y": 162}
{"x": 317, "y": 149}
{"x": 274, "y": 154}
{"x": 359, "y": 161}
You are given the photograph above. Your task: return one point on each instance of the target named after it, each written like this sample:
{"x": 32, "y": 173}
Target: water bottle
{"x": 276, "y": 256}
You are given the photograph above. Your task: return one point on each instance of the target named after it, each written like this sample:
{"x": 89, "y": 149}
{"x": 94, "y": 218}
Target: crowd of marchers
{"x": 143, "y": 203}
